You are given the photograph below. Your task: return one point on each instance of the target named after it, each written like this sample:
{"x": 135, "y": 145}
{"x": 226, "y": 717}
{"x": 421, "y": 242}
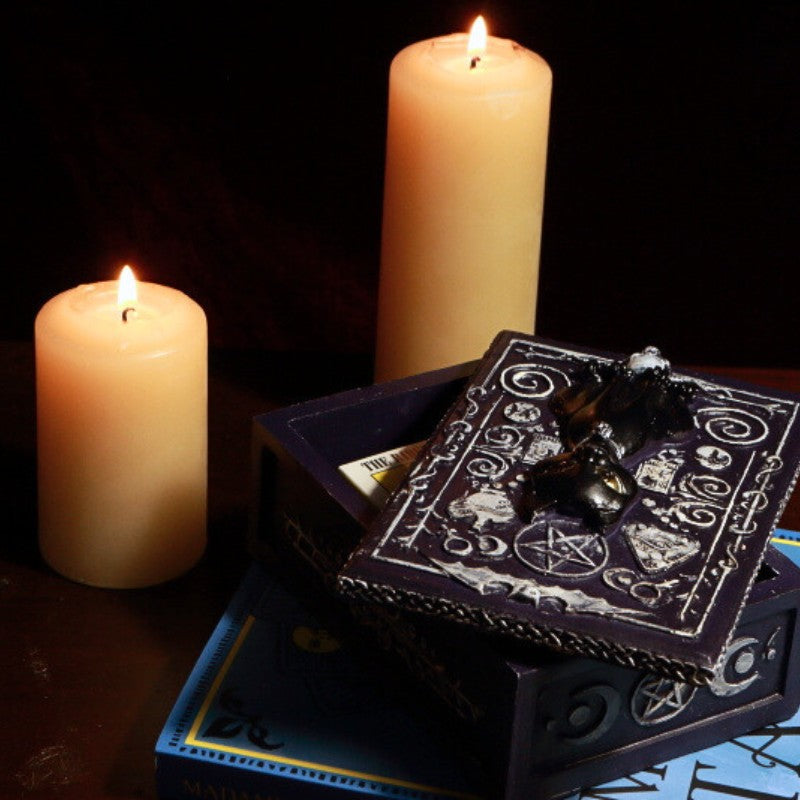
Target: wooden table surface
{"x": 89, "y": 675}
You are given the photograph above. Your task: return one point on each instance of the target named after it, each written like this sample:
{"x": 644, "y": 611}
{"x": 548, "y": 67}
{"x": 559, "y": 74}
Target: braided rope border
{"x": 559, "y": 640}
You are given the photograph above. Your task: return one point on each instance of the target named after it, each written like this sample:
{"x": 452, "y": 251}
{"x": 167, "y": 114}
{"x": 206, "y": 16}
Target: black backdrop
{"x": 235, "y": 151}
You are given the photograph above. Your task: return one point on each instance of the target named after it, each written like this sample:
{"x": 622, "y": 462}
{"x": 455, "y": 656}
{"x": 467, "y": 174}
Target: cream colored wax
{"x": 121, "y": 434}
{"x": 463, "y": 199}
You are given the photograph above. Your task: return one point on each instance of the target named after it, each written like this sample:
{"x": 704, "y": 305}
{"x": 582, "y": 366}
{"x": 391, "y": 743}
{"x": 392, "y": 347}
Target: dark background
{"x": 235, "y": 151}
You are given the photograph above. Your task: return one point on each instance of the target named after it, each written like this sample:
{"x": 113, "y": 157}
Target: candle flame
{"x": 476, "y": 46}
{"x": 126, "y": 291}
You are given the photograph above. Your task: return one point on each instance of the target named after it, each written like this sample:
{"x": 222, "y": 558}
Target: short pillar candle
{"x": 122, "y": 433}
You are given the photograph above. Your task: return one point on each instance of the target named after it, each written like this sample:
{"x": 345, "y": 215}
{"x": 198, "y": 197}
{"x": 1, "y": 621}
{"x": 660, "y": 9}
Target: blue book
{"x": 277, "y": 708}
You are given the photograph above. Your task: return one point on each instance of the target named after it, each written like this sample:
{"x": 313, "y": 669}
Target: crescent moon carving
{"x": 611, "y": 700}
{"x": 723, "y": 688}
{"x": 591, "y": 713}
{"x": 492, "y": 546}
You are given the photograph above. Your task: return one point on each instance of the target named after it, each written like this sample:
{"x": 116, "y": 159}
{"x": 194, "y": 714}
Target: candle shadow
{"x": 175, "y": 619}
{"x": 18, "y": 543}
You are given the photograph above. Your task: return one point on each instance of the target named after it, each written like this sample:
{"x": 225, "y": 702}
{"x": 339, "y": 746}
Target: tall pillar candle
{"x": 463, "y": 199}
{"x": 122, "y": 397}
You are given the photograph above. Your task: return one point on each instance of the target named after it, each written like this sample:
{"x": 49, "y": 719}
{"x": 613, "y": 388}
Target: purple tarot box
{"x": 595, "y": 504}
{"x": 545, "y": 724}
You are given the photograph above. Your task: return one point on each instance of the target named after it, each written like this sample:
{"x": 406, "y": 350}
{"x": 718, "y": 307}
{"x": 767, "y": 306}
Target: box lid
{"x": 595, "y": 503}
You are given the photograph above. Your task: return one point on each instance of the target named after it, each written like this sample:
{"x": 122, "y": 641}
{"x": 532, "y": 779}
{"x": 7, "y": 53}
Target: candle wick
{"x": 126, "y": 311}
{"x": 474, "y": 62}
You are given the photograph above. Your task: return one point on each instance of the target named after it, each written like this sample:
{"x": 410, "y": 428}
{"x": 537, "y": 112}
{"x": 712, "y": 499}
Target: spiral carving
{"x": 734, "y": 426}
{"x": 694, "y": 512}
{"x": 706, "y": 486}
{"x": 522, "y": 380}
{"x": 505, "y": 437}
{"x": 487, "y": 466}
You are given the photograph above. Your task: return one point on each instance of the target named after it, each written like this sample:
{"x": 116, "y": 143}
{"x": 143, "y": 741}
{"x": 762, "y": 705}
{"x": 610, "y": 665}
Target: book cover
{"x": 274, "y": 709}
{"x": 599, "y": 505}
{"x": 277, "y": 706}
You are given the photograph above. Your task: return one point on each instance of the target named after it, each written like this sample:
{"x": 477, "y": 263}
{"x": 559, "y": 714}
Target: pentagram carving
{"x": 561, "y": 548}
{"x": 657, "y": 699}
